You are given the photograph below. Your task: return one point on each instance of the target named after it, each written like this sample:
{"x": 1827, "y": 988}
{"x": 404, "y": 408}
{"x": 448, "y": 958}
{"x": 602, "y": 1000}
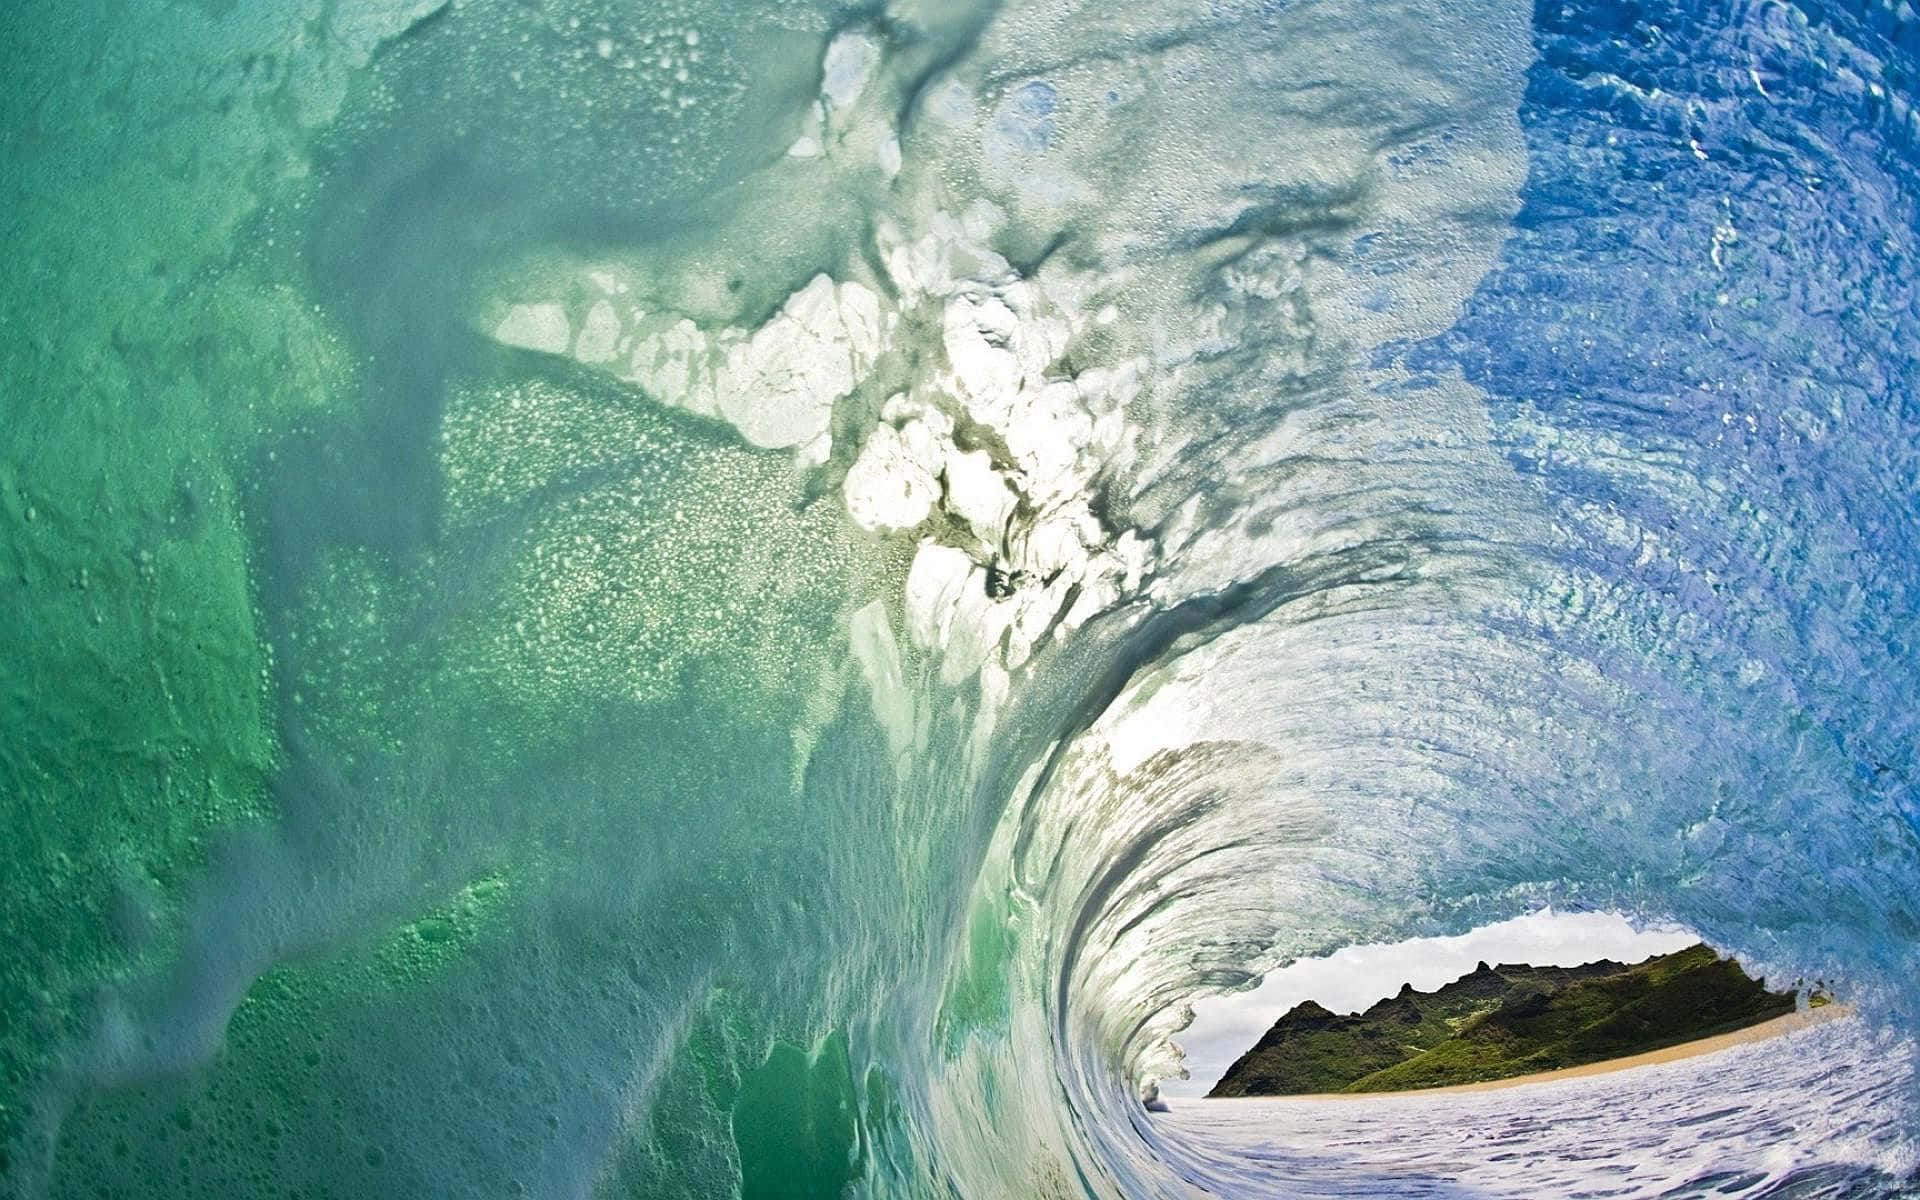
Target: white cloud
{"x": 1354, "y": 978}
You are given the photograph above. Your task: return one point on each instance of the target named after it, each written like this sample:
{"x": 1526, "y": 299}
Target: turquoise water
{"x": 700, "y": 599}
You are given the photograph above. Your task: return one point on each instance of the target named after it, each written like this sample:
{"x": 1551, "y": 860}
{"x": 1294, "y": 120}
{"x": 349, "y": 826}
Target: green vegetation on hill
{"x": 1503, "y": 1021}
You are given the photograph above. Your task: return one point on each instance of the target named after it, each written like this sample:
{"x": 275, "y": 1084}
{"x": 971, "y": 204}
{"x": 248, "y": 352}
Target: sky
{"x": 1354, "y": 978}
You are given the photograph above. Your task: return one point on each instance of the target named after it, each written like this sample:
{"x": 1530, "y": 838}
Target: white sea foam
{"x": 1734, "y": 1123}
{"x": 990, "y": 457}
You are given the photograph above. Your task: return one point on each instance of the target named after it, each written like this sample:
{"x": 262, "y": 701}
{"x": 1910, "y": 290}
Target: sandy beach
{"x": 1790, "y": 1023}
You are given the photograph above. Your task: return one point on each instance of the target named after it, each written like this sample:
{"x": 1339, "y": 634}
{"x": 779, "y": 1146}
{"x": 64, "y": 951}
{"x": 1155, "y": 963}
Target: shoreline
{"x": 1792, "y": 1022}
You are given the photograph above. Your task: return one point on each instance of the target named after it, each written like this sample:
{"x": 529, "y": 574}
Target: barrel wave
{"x": 748, "y": 597}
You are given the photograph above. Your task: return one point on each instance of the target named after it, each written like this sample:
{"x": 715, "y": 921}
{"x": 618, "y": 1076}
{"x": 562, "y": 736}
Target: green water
{"x": 371, "y": 685}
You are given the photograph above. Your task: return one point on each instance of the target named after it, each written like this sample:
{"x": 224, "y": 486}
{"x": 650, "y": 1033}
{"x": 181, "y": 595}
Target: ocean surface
{"x": 1793, "y": 1117}
{"x": 609, "y": 599}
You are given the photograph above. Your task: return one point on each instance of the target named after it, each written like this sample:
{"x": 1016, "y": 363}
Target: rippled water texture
{"x": 1793, "y": 1118}
{"x": 674, "y": 600}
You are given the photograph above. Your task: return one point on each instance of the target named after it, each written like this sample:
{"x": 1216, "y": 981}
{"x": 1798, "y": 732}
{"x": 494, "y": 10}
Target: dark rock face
{"x": 1497, "y": 1022}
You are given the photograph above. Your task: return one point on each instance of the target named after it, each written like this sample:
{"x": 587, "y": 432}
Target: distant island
{"x": 1503, "y": 1021}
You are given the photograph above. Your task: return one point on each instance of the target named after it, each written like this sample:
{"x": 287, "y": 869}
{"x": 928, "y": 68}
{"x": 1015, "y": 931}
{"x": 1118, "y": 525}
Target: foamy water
{"x": 1811, "y": 1113}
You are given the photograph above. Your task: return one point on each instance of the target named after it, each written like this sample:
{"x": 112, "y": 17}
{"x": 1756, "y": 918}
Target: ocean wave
{"x": 757, "y": 597}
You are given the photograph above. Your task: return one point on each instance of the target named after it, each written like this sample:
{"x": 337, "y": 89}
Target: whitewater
{"x": 752, "y": 597}
{"x": 1788, "y": 1119}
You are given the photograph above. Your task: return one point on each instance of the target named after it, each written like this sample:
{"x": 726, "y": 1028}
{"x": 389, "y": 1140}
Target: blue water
{"x": 752, "y": 598}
